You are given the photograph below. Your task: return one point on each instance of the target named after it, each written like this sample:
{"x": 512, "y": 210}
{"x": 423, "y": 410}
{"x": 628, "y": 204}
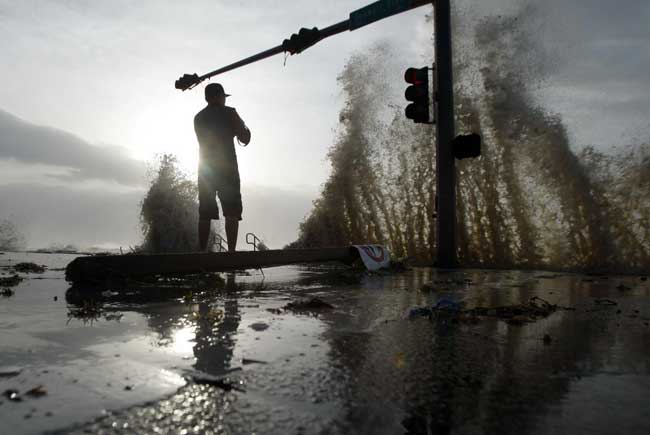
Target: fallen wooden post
{"x": 103, "y": 267}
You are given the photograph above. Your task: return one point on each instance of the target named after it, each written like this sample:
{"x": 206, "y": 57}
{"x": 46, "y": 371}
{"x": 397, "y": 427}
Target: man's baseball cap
{"x": 215, "y": 90}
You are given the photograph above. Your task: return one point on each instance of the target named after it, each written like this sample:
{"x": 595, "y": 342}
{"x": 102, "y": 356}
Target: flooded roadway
{"x": 228, "y": 359}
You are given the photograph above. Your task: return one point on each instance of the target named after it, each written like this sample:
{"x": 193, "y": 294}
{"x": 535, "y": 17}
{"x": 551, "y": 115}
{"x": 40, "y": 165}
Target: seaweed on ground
{"x": 536, "y": 308}
{"x": 10, "y": 281}
{"x": 308, "y": 304}
{"x": 89, "y": 311}
{"x": 29, "y": 268}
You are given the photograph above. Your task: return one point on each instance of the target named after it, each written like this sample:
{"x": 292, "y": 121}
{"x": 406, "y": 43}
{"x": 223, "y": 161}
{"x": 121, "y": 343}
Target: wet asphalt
{"x": 225, "y": 357}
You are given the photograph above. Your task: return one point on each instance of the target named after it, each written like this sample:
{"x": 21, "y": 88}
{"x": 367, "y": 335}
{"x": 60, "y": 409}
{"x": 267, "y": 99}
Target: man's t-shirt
{"x": 215, "y": 128}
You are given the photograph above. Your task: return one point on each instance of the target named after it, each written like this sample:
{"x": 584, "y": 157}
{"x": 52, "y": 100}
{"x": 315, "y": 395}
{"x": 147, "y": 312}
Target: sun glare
{"x": 184, "y": 340}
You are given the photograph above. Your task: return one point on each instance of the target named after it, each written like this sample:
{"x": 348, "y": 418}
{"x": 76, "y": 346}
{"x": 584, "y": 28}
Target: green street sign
{"x": 382, "y": 9}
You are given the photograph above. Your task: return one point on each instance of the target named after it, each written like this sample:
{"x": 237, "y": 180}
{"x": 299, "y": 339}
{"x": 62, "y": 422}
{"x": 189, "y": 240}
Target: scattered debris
{"x": 116, "y": 316}
{"x": 39, "y": 391}
{"x": 56, "y": 298}
{"x": 445, "y": 304}
{"x": 29, "y": 268}
{"x": 13, "y": 395}
{"x": 246, "y": 361}
{"x": 602, "y": 304}
{"x": 536, "y": 308}
{"x": 128, "y": 388}
{"x": 10, "y": 281}
{"x": 6, "y": 372}
{"x": 419, "y": 312}
{"x": 605, "y": 301}
{"x": 259, "y": 326}
{"x": 308, "y": 304}
{"x": 89, "y": 312}
{"x": 6, "y": 292}
{"x": 224, "y": 383}
{"x": 274, "y": 310}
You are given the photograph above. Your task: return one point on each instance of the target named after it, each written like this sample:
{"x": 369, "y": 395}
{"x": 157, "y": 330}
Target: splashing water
{"x": 169, "y": 210}
{"x": 529, "y": 201}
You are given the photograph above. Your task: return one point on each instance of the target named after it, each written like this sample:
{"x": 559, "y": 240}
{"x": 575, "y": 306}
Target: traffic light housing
{"x": 466, "y": 146}
{"x": 419, "y": 94}
{"x": 300, "y": 41}
{"x": 188, "y": 81}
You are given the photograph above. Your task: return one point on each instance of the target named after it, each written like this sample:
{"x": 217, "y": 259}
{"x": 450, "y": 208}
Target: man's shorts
{"x": 226, "y": 185}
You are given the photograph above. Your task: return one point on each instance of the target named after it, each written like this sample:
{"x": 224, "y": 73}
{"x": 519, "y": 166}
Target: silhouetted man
{"x": 216, "y": 126}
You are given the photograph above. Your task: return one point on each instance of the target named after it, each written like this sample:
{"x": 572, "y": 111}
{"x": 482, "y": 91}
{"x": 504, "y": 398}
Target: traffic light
{"x": 300, "y": 41}
{"x": 188, "y": 81}
{"x": 419, "y": 94}
{"x": 466, "y": 146}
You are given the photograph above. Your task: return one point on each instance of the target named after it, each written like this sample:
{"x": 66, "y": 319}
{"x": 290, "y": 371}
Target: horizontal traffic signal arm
{"x": 294, "y": 45}
{"x": 307, "y": 37}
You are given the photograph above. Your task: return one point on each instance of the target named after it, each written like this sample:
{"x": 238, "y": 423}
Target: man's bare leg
{"x": 232, "y": 228}
{"x": 204, "y": 233}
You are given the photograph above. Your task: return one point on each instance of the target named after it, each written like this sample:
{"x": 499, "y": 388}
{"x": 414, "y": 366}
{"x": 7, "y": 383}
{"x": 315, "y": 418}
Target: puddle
{"x": 344, "y": 358}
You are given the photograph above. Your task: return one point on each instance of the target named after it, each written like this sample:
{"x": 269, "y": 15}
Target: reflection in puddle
{"x": 183, "y": 340}
{"x": 361, "y": 366}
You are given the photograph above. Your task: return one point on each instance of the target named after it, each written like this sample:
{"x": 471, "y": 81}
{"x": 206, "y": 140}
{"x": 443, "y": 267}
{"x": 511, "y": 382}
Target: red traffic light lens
{"x": 416, "y": 76}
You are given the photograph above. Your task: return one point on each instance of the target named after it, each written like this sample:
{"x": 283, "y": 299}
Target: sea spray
{"x": 169, "y": 211}
{"x": 528, "y": 201}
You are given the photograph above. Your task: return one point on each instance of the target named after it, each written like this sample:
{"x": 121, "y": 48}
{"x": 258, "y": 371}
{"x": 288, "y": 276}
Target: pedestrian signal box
{"x": 419, "y": 93}
{"x": 466, "y": 146}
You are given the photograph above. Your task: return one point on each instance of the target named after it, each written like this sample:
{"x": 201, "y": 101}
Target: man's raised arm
{"x": 241, "y": 131}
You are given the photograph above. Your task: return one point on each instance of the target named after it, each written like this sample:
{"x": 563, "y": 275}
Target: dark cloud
{"x": 32, "y": 144}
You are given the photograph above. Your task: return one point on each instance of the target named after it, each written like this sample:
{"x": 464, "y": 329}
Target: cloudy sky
{"x": 87, "y": 98}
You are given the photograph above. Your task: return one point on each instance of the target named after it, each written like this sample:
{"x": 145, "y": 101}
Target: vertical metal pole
{"x": 445, "y": 164}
